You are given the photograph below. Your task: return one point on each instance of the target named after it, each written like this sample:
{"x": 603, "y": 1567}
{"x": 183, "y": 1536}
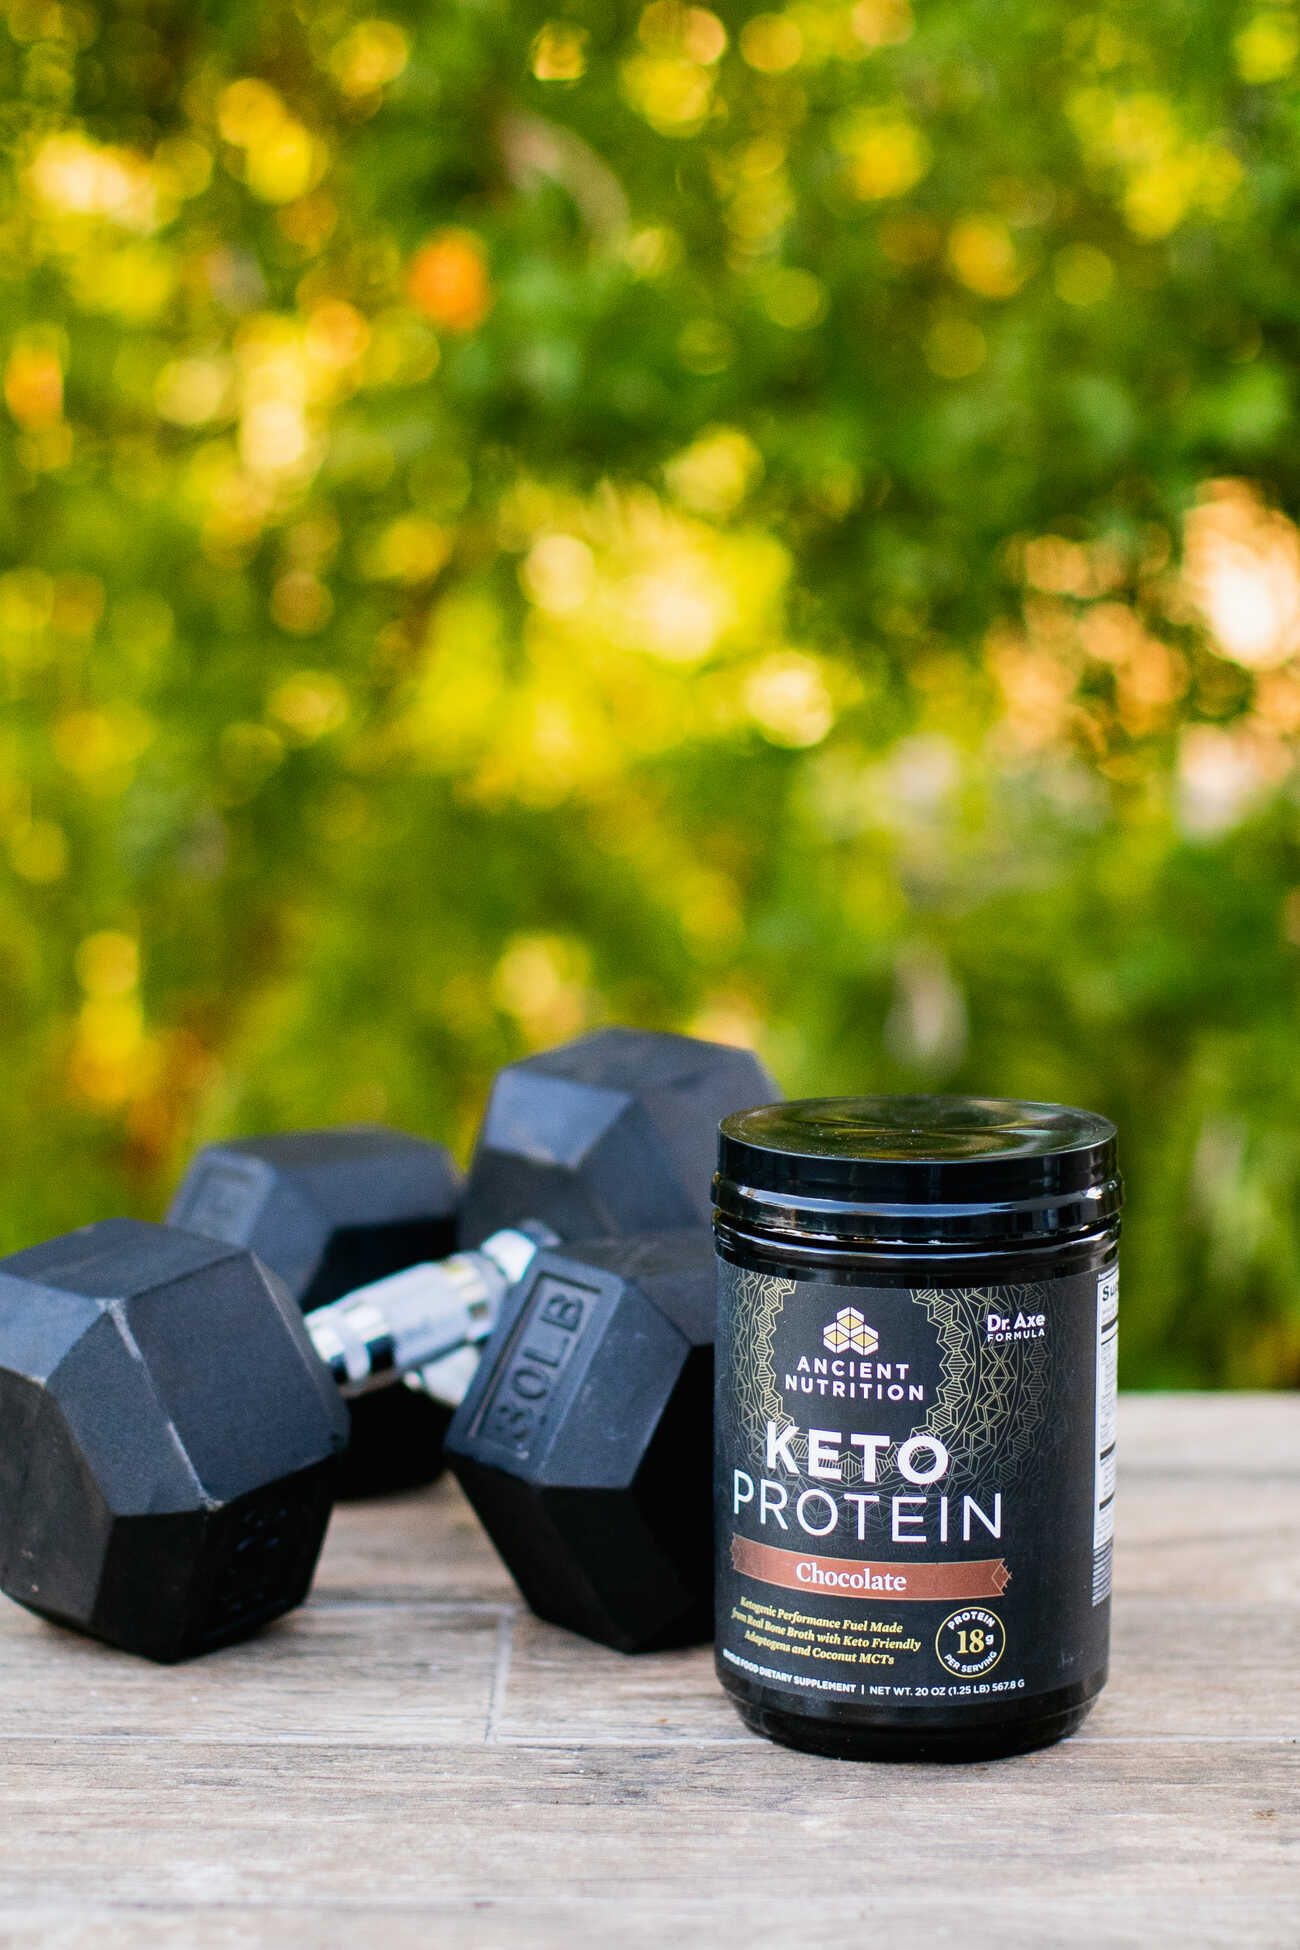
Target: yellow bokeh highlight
{"x": 1082, "y": 275}
{"x": 135, "y": 282}
{"x": 715, "y": 473}
{"x": 1266, "y": 47}
{"x": 792, "y": 298}
{"x": 336, "y": 335}
{"x": 881, "y": 23}
{"x": 285, "y": 371}
{"x": 678, "y": 610}
{"x": 456, "y": 705}
{"x": 543, "y": 982}
{"x": 559, "y": 574}
{"x": 559, "y": 51}
{"x": 108, "y": 963}
{"x": 282, "y": 160}
{"x": 728, "y": 1018}
{"x": 887, "y": 155}
{"x": 667, "y": 27}
{"x": 1241, "y": 568}
{"x": 640, "y": 619}
{"x": 74, "y": 175}
{"x": 771, "y": 43}
{"x": 33, "y": 385}
{"x": 194, "y": 391}
{"x": 672, "y": 93}
{"x": 287, "y": 165}
{"x": 249, "y": 112}
{"x": 652, "y": 250}
{"x": 301, "y": 603}
{"x": 1164, "y": 176}
{"x": 26, "y": 611}
{"x": 672, "y": 83}
{"x": 983, "y": 256}
{"x": 309, "y": 704}
{"x": 401, "y": 350}
{"x": 371, "y": 55}
{"x": 788, "y": 698}
{"x": 110, "y": 1057}
{"x": 409, "y": 550}
{"x": 274, "y": 436}
{"x": 1057, "y": 566}
{"x": 100, "y": 747}
{"x": 38, "y": 852}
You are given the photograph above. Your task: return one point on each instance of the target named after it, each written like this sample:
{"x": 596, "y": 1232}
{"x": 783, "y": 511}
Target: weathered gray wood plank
{"x": 411, "y": 1759}
{"x": 1089, "y": 1845}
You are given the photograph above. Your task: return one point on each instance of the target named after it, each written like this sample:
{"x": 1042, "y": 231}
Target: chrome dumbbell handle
{"x": 414, "y": 1320}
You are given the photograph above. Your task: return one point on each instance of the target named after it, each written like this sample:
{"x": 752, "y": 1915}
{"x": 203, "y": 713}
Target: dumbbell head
{"x": 584, "y": 1443}
{"x": 326, "y": 1210}
{"x": 168, "y": 1439}
{"x": 612, "y": 1134}
{"x": 329, "y": 1211}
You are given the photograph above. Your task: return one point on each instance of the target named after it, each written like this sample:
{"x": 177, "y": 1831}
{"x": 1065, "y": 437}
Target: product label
{"x": 915, "y": 1486}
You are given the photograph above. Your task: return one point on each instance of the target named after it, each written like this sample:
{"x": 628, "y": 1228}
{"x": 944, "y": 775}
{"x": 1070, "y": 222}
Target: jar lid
{"x": 918, "y": 1170}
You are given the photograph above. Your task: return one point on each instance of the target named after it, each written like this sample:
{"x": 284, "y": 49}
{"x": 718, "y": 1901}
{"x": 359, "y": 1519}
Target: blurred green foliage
{"x": 770, "y": 523}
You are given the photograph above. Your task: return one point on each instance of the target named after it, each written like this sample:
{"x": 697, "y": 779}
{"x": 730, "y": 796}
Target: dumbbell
{"x": 585, "y": 1438}
{"x": 170, "y": 1424}
{"x": 330, "y": 1211}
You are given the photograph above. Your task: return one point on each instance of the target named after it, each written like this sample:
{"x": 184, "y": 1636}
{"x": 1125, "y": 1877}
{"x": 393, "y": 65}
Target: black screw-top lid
{"x": 918, "y": 1170}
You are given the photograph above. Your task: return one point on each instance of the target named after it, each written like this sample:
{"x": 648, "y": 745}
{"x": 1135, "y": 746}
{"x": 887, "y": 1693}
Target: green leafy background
{"x": 766, "y": 523}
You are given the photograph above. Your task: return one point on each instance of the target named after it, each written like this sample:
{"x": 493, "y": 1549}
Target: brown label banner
{"x": 845, "y": 1577}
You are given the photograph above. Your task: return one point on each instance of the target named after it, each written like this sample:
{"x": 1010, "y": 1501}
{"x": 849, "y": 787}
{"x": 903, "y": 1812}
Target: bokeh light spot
{"x": 1082, "y": 274}
{"x": 559, "y": 51}
{"x": 955, "y": 348}
{"x": 787, "y": 697}
{"x": 371, "y": 55}
{"x": 1242, "y": 571}
{"x": 309, "y": 704}
{"x": 559, "y": 574}
{"x": 716, "y": 472}
{"x": 448, "y": 280}
{"x": 108, "y": 963}
{"x": 772, "y": 43}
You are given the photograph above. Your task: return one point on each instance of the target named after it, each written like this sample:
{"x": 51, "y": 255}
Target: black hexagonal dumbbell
{"x": 168, "y": 1438}
{"x": 584, "y": 1440}
{"x": 163, "y": 1525}
{"x": 330, "y": 1211}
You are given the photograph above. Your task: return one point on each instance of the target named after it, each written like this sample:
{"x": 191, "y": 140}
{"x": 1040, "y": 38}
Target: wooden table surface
{"x": 413, "y": 1760}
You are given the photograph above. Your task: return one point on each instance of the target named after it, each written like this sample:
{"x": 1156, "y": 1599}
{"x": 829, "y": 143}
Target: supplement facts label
{"x": 1103, "y": 1522}
{"x": 914, "y": 1486}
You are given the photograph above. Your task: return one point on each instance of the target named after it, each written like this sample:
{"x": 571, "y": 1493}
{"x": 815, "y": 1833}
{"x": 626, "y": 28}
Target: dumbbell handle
{"x": 403, "y": 1323}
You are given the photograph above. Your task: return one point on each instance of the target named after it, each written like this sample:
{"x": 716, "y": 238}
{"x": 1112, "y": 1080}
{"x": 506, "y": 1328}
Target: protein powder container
{"x": 915, "y": 1422}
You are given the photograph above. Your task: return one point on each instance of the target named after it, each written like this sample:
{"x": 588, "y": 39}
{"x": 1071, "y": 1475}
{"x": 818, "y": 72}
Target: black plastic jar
{"x": 915, "y": 1422}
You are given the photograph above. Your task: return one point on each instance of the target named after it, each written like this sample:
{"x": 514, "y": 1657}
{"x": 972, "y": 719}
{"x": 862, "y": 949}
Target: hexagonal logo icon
{"x": 849, "y": 1333}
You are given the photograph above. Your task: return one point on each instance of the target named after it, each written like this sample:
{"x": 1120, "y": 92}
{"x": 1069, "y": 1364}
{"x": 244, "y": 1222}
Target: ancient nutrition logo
{"x": 849, "y": 1333}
